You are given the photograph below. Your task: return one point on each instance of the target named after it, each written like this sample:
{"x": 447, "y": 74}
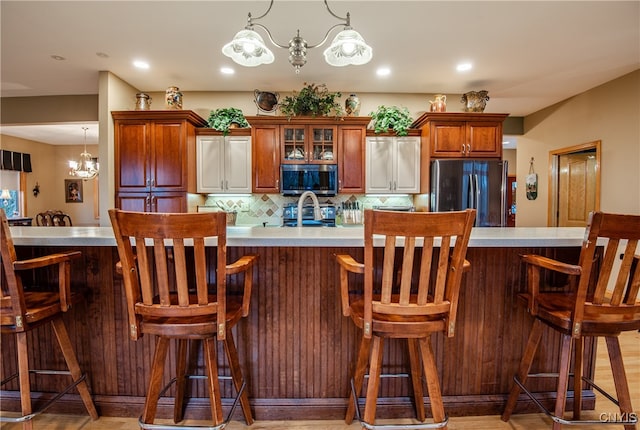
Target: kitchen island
{"x": 295, "y": 346}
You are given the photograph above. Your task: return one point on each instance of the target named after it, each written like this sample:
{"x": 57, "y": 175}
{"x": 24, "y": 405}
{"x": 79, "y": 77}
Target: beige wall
{"x": 50, "y": 169}
{"x": 610, "y": 113}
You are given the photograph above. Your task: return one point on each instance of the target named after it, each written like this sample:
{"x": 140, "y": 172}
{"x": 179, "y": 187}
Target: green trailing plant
{"x": 223, "y": 118}
{"x": 394, "y": 118}
{"x": 312, "y": 100}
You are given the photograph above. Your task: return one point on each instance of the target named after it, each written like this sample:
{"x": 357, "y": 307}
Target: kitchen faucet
{"x": 316, "y": 206}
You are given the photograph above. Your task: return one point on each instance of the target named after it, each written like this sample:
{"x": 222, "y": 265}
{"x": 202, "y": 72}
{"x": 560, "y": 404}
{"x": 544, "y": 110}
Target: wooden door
{"x": 576, "y": 188}
{"x": 484, "y": 139}
{"x": 169, "y": 157}
{"x": 448, "y": 139}
{"x": 266, "y": 158}
{"x": 132, "y": 139}
{"x": 351, "y": 162}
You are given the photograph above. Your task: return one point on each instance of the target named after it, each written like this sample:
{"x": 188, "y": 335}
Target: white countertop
{"x": 306, "y": 236}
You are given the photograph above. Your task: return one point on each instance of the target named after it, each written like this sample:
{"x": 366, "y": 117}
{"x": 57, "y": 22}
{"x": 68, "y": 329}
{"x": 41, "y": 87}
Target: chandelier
{"x": 86, "y": 167}
{"x": 348, "y": 47}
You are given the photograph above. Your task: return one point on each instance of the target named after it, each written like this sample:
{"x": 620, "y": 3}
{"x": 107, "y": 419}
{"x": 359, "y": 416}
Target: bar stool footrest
{"x": 49, "y": 402}
{"x": 149, "y": 426}
{"x": 631, "y": 419}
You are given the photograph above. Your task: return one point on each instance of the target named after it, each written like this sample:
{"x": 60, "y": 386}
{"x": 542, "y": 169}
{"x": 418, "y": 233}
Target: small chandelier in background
{"x": 86, "y": 167}
{"x": 348, "y": 47}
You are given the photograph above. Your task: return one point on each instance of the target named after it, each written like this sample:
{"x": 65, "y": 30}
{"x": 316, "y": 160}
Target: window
{"x": 10, "y": 180}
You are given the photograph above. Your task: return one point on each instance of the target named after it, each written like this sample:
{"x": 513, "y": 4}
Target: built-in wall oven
{"x": 322, "y": 179}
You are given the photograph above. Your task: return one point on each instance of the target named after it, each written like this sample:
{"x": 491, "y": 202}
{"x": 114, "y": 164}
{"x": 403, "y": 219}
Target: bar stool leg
{"x": 619, "y": 377}
{"x": 211, "y": 360}
{"x": 358, "y": 377}
{"x": 236, "y": 374}
{"x": 525, "y": 366}
{"x": 416, "y": 378}
{"x": 433, "y": 381}
{"x": 563, "y": 378}
{"x": 577, "y": 377}
{"x": 155, "y": 381}
{"x": 375, "y": 369}
{"x": 23, "y": 375}
{"x": 181, "y": 371}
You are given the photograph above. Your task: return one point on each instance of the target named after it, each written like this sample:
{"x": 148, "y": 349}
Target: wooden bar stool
{"x": 590, "y": 309}
{"x": 410, "y": 302}
{"x": 22, "y": 311}
{"x": 166, "y": 270}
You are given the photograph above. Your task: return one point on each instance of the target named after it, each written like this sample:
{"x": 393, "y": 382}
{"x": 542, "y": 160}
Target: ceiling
{"x": 527, "y": 54}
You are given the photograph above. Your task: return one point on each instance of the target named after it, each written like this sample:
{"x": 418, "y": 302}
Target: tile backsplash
{"x": 261, "y": 208}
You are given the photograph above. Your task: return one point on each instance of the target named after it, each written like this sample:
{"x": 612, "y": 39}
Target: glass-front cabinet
{"x": 315, "y": 144}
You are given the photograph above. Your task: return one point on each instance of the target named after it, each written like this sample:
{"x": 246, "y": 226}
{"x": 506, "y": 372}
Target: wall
{"x": 609, "y": 113}
{"x": 50, "y": 169}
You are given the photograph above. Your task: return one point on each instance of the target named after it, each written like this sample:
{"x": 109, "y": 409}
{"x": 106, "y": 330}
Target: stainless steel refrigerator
{"x": 480, "y": 184}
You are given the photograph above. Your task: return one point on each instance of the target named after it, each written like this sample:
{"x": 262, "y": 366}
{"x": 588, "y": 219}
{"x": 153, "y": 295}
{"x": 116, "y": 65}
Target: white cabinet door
{"x": 223, "y": 164}
{"x": 210, "y": 164}
{"x": 407, "y": 165}
{"x": 237, "y": 164}
{"x": 379, "y": 164}
{"x": 393, "y": 165}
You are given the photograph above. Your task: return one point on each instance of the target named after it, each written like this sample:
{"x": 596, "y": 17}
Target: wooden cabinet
{"x": 155, "y": 154}
{"x": 351, "y": 158}
{"x": 223, "y": 163}
{"x": 393, "y": 164}
{"x": 456, "y": 135}
{"x": 308, "y": 144}
{"x": 279, "y": 140}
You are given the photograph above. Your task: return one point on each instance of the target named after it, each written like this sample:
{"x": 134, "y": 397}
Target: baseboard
{"x": 293, "y": 409}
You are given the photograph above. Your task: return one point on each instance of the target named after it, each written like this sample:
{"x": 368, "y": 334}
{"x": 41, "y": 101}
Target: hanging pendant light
{"x": 348, "y": 47}
{"x": 86, "y": 167}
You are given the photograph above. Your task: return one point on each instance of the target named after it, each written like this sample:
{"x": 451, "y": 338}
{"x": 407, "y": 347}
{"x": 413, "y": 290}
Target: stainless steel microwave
{"x": 295, "y": 179}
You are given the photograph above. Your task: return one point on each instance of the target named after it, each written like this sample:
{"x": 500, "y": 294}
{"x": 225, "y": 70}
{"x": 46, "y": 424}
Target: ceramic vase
{"x": 174, "y": 98}
{"x": 143, "y": 101}
{"x": 352, "y": 105}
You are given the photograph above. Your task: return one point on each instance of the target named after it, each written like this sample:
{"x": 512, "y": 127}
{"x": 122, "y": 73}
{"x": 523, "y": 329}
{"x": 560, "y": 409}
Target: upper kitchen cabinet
{"x": 307, "y": 140}
{"x": 393, "y": 164}
{"x": 155, "y": 153}
{"x": 457, "y": 135}
{"x": 223, "y": 162}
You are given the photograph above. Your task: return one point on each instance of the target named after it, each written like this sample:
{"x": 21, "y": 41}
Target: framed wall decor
{"x": 73, "y": 191}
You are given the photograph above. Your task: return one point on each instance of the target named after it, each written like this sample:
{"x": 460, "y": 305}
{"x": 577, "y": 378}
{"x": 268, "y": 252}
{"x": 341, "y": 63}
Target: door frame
{"x": 554, "y": 161}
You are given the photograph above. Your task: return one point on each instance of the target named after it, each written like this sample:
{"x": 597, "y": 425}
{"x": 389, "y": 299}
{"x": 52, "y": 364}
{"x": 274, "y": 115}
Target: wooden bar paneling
{"x": 295, "y": 347}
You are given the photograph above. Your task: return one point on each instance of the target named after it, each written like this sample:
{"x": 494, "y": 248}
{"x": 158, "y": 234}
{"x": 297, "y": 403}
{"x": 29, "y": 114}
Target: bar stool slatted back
{"x": 166, "y": 266}
{"x": 603, "y": 301}
{"x": 22, "y": 311}
{"x": 411, "y": 299}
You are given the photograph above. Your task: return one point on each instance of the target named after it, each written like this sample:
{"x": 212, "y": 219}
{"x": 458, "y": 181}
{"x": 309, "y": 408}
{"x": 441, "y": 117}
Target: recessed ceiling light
{"x": 141, "y": 64}
{"x": 463, "y": 67}
{"x": 58, "y": 57}
{"x": 227, "y": 71}
{"x": 383, "y": 71}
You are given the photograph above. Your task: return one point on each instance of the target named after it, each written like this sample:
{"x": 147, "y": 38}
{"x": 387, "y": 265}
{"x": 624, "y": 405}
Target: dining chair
{"x": 22, "y": 310}
{"x": 602, "y": 301}
{"x": 53, "y": 218}
{"x": 412, "y": 270}
{"x": 168, "y": 262}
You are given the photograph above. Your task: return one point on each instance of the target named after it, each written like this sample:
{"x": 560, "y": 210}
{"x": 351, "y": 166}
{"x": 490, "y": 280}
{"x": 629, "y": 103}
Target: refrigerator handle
{"x": 472, "y": 193}
{"x": 503, "y": 199}
{"x": 476, "y": 184}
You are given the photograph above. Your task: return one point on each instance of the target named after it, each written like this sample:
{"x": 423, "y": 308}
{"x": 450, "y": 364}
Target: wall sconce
{"x": 36, "y": 190}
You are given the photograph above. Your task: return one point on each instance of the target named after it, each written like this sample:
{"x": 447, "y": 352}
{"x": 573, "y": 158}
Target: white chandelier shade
{"x": 348, "y": 47}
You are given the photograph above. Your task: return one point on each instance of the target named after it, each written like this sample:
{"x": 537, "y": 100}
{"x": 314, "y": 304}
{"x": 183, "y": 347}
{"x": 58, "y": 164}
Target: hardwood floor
{"x": 630, "y": 344}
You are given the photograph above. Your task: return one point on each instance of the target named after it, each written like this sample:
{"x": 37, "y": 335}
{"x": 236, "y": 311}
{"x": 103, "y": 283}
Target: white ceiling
{"x": 527, "y": 54}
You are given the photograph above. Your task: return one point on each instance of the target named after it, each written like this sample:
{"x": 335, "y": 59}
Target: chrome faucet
{"x": 317, "y": 215}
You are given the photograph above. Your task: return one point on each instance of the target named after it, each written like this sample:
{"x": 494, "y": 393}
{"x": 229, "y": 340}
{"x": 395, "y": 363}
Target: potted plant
{"x": 394, "y": 118}
{"x": 312, "y": 100}
{"x": 224, "y": 118}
